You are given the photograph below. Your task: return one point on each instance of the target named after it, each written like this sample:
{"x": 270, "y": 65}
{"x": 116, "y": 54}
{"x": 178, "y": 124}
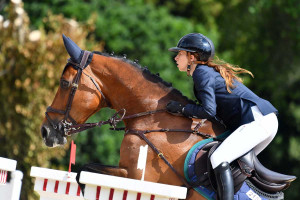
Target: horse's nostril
{"x": 44, "y": 132}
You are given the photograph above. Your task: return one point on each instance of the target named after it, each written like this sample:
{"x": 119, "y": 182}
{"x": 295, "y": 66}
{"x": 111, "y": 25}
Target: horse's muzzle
{"x": 53, "y": 137}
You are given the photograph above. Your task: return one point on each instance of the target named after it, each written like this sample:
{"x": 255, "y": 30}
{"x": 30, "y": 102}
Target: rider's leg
{"x": 258, "y": 133}
{"x": 233, "y": 147}
{"x": 270, "y": 124}
{"x": 224, "y": 181}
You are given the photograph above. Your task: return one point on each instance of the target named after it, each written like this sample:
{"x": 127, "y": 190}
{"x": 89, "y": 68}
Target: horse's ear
{"x": 73, "y": 50}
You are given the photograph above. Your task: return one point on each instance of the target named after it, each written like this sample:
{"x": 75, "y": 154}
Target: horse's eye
{"x": 64, "y": 84}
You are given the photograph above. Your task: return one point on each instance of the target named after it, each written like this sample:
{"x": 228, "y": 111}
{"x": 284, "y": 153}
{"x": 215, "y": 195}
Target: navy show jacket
{"x": 234, "y": 109}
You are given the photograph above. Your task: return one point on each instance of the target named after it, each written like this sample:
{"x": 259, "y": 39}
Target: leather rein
{"x": 72, "y": 127}
{"x": 114, "y": 120}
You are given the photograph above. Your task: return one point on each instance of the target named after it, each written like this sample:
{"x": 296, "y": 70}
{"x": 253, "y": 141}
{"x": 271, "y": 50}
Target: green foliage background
{"x": 262, "y": 36}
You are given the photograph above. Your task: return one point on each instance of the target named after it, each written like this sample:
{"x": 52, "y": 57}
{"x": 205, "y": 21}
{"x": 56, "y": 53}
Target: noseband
{"x": 79, "y": 67}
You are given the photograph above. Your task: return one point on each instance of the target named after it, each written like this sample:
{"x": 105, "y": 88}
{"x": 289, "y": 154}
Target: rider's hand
{"x": 175, "y": 107}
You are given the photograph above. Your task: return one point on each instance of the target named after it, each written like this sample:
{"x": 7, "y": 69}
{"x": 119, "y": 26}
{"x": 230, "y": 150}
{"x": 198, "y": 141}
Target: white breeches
{"x": 255, "y": 135}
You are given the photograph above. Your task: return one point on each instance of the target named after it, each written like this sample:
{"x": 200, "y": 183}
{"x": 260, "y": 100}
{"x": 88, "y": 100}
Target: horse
{"x": 91, "y": 81}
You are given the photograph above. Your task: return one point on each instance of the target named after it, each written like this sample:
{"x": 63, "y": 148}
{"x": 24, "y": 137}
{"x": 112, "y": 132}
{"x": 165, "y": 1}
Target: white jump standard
{"x": 10, "y": 190}
{"x": 106, "y": 187}
{"x": 55, "y": 184}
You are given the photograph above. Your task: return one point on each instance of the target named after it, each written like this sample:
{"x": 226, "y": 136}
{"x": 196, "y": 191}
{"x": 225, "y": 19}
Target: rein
{"x": 114, "y": 120}
{"x": 111, "y": 121}
{"x": 141, "y": 133}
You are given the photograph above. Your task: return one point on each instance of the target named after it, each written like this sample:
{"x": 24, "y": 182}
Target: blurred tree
{"x": 29, "y": 62}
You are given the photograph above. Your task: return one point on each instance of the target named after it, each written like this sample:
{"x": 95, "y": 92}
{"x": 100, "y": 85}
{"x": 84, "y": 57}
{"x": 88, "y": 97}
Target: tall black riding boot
{"x": 224, "y": 181}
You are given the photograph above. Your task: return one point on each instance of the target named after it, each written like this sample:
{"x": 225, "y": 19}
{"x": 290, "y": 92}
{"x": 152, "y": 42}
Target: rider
{"x": 223, "y": 97}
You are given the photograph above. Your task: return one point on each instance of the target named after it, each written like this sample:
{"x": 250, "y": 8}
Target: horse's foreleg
{"x": 100, "y": 169}
{"x": 104, "y": 169}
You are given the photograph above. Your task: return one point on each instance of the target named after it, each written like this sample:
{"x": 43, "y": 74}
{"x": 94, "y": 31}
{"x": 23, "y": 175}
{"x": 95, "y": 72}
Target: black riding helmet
{"x": 196, "y": 42}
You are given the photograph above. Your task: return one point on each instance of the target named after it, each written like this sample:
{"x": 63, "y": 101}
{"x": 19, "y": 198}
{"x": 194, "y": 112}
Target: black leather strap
{"x": 160, "y": 154}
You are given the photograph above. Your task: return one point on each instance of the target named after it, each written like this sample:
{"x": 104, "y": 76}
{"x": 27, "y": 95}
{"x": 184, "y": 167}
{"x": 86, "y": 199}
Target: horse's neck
{"x": 126, "y": 87}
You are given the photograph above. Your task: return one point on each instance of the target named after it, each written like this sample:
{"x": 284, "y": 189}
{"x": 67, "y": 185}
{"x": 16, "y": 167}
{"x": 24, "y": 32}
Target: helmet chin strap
{"x": 190, "y": 62}
{"x": 188, "y": 70}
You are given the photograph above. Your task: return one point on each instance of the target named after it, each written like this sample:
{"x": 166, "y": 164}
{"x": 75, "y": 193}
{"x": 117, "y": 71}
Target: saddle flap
{"x": 251, "y": 166}
{"x": 205, "y": 173}
{"x": 246, "y": 163}
{"x": 268, "y": 187}
{"x": 201, "y": 165}
{"x": 271, "y": 176}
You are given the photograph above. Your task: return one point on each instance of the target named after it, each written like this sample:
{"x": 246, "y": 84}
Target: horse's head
{"x": 78, "y": 97}
{"x": 126, "y": 85}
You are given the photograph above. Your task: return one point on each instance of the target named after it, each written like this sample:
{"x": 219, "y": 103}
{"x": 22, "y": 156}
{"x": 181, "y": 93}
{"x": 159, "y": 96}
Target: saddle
{"x": 246, "y": 167}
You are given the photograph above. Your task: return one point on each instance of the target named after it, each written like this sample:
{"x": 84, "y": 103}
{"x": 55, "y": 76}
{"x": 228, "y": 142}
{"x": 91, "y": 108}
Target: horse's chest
{"x": 129, "y": 150}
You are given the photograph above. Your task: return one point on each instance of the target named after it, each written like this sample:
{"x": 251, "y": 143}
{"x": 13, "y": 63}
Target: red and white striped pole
{"x": 72, "y": 155}
{"x": 11, "y": 189}
{"x": 3, "y": 177}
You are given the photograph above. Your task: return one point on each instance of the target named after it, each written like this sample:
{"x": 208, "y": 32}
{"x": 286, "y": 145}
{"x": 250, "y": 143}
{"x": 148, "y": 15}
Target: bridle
{"x": 190, "y": 62}
{"x": 79, "y": 67}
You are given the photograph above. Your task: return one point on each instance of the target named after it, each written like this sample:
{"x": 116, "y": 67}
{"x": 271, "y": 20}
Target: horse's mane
{"x": 146, "y": 72}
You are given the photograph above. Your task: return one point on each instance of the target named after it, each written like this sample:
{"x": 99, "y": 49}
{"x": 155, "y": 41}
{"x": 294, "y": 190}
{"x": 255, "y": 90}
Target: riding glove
{"x": 175, "y": 107}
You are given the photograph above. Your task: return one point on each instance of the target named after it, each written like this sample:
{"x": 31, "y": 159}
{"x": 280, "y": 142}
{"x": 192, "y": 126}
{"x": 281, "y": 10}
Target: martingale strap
{"x": 160, "y": 155}
{"x": 141, "y": 133}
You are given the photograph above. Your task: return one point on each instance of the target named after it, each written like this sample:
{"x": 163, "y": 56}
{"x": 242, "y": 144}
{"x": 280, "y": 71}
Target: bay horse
{"x": 101, "y": 81}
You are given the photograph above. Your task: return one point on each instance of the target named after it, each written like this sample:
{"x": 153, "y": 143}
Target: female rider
{"x": 223, "y": 96}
